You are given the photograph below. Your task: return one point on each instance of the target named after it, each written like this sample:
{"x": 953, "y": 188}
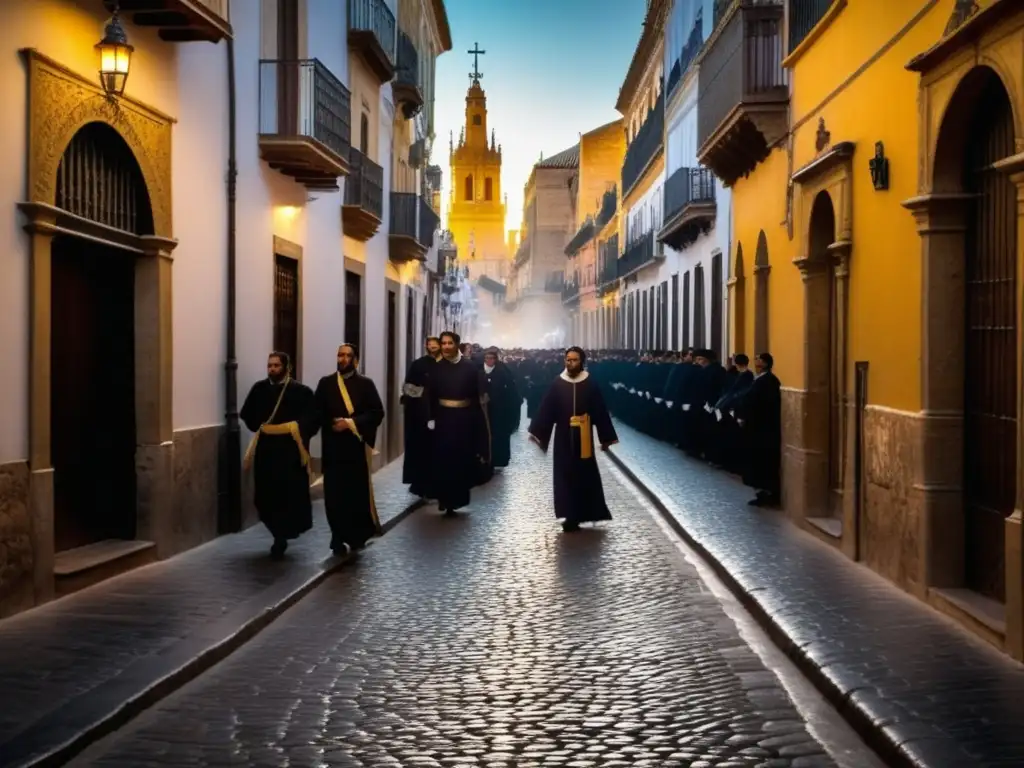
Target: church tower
{"x": 476, "y": 212}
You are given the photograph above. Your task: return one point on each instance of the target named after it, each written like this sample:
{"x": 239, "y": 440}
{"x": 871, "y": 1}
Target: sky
{"x": 552, "y": 71}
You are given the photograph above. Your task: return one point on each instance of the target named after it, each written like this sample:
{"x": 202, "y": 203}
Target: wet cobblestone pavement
{"x": 78, "y": 659}
{"x": 936, "y": 695}
{"x": 491, "y": 639}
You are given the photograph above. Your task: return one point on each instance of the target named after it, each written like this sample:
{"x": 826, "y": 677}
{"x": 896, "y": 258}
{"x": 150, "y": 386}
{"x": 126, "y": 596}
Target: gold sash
{"x": 586, "y": 438}
{"x": 370, "y": 452}
{"x": 288, "y": 428}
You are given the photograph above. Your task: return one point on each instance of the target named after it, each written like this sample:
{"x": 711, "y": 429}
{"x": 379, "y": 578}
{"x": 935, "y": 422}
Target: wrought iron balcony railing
{"x": 609, "y": 205}
{"x": 429, "y": 223}
{"x": 645, "y": 145}
{"x": 304, "y": 121}
{"x": 406, "y": 87}
{"x": 608, "y": 260}
{"x": 364, "y": 186}
{"x": 371, "y": 30}
{"x": 804, "y": 16}
{"x": 638, "y": 254}
{"x": 583, "y": 236}
{"x": 403, "y": 214}
{"x": 686, "y": 186}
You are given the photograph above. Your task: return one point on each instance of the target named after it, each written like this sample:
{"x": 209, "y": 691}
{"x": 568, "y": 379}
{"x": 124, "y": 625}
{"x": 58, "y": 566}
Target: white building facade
{"x": 163, "y": 239}
{"x": 696, "y": 207}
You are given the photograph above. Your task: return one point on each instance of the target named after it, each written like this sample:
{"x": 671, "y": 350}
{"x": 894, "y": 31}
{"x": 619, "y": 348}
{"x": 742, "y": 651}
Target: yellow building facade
{"x": 876, "y": 169}
{"x": 476, "y": 211}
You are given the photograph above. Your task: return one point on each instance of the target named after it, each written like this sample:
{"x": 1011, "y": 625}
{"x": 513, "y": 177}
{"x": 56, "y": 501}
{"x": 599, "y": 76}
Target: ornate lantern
{"x": 115, "y": 57}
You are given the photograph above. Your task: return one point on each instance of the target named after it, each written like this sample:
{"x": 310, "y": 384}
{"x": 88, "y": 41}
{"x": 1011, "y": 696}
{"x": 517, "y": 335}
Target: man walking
{"x": 573, "y": 407}
{"x": 350, "y": 411}
{"x": 280, "y": 413}
{"x": 416, "y": 465}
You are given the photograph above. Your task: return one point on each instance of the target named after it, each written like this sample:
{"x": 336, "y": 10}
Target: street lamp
{"x": 115, "y": 57}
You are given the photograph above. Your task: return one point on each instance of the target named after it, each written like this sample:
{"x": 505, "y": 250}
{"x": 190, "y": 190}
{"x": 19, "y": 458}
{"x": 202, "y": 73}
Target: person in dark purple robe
{"x": 574, "y": 408}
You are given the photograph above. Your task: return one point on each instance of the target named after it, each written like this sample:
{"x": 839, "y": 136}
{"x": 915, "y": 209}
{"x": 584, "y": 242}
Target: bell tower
{"x": 476, "y": 213}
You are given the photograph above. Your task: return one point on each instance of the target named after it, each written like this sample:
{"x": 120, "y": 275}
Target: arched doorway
{"x": 92, "y": 353}
{"x": 739, "y": 307}
{"x": 761, "y": 272}
{"x": 825, "y": 383}
{"x": 990, "y": 338}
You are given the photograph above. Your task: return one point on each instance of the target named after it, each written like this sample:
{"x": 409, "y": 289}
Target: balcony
{"x": 638, "y": 254}
{"x": 608, "y": 259}
{"x": 371, "y": 34}
{"x": 554, "y": 282}
{"x": 644, "y": 147}
{"x": 429, "y": 223}
{"x": 609, "y": 205}
{"x": 178, "y": 21}
{"x": 804, "y": 16}
{"x": 363, "y": 209}
{"x": 403, "y": 241}
{"x": 406, "y": 87}
{"x": 305, "y": 131}
{"x": 742, "y": 90}
{"x": 689, "y": 206}
{"x": 571, "y": 292}
{"x": 583, "y": 236}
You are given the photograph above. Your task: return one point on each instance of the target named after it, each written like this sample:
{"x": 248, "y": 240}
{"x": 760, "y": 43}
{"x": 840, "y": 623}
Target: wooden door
{"x": 92, "y": 395}
{"x": 391, "y": 396}
{"x": 286, "y": 308}
{"x": 836, "y": 400}
{"x": 354, "y": 311}
{"x": 990, "y": 349}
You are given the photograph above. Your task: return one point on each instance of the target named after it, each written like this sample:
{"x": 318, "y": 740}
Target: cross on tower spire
{"x": 476, "y": 53}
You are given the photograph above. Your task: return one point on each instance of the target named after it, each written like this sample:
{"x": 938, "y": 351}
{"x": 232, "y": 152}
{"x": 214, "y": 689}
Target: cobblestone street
{"x": 491, "y": 639}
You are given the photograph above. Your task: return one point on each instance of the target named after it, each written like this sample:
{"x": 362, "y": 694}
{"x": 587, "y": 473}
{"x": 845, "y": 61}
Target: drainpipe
{"x": 230, "y": 507}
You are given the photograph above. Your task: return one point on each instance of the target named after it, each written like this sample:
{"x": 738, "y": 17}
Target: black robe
{"x": 505, "y": 409}
{"x": 280, "y": 476}
{"x": 579, "y": 495}
{"x": 416, "y": 464}
{"x": 760, "y": 408}
{"x": 347, "y": 456}
{"x": 461, "y": 444}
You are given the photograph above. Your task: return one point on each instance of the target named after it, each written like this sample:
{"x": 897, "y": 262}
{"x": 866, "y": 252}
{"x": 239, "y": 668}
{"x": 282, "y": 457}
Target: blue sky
{"x": 552, "y": 71}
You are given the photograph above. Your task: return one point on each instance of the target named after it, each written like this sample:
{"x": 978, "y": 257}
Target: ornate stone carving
{"x": 61, "y": 102}
{"x": 823, "y": 137}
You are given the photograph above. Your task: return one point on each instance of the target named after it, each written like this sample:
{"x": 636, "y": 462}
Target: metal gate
{"x": 990, "y": 349}
{"x": 286, "y": 308}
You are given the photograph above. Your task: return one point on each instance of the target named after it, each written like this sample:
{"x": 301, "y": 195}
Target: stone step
{"x": 81, "y": 567}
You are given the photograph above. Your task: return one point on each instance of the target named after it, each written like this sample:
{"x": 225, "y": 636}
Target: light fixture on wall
{"x": 115, "y": 57}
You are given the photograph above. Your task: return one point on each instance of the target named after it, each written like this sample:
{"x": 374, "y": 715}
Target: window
{"x": 364, "y": 134}
{"x": 476, "y": 120}
{"x": 717, "y": 289}
{"x": 488, "y": 188}
{"x": 675, "y": 313}
{"x": 686, "y": 309}
{"x": 699, "y": 308}
{"x": 286, "y": 308}
{"x": 469, "y": 187}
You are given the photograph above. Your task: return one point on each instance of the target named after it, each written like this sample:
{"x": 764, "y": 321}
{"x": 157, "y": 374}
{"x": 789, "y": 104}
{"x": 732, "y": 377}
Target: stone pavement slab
{"x": 490, "y": 639}
{"x": 917, "y": 686}
{"x": 79, "y": 667}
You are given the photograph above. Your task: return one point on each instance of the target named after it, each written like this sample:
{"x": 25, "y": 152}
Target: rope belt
{"x": 454, "y": 403}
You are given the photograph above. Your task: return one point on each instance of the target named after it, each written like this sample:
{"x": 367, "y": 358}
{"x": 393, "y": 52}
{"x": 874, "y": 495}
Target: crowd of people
{"x": 462, "y": 404}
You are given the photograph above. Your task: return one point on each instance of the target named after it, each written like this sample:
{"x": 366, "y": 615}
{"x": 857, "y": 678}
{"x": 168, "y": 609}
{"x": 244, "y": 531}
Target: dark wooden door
{"x": 411, "y": 348}
{"x": 675, "y": 312}
{"x": 92, "y": 393}
{"x": 391, "y": 376}
{"x": 686, "y": 310}
{"x": 990, "y": 349}
{"x": 717, "y": 290}
{"x": 354, "y": 310}
{"x": 286, "y": 308}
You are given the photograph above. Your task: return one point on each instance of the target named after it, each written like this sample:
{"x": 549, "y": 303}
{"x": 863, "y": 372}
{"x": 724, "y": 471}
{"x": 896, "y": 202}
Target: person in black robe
{"x": 573, "y": 407}
{"x": 504, "y": 407}
{"x": 461, "y": 445}
{"x": 759, "y": 414}
{"x": 416, "y": 464}
{"x": 349, "y": 410}
{"x": 281, "y": 414}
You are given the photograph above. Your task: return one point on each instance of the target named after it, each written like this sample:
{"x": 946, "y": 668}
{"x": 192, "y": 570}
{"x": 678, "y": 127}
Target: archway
{"x": 92, "y": 353}
{"x": 96, "y": 244}
{"x": 825, "y": 382}
{"x": 761, "y": 271}
{"x": 738, "y": 299}
{"x": 978, "y": 131}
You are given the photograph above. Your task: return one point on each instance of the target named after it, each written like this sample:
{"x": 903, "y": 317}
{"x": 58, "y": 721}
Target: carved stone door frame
{"x": 61, "y": 102}
{"x": 830, "y": 173}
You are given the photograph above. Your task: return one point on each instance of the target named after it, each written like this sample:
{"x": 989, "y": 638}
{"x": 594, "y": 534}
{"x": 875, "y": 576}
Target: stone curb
{"x": 75, "y": 725}
{"x": 871, "y": 726}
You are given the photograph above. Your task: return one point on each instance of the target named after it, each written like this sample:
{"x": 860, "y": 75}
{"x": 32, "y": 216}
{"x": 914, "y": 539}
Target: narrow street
{"x": 495, "y": 640}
